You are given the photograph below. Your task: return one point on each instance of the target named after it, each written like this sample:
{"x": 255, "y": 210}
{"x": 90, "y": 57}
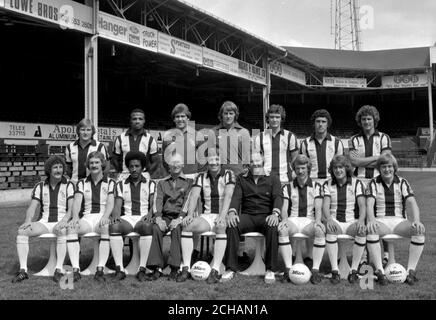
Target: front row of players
{"x": 230, "y": 206}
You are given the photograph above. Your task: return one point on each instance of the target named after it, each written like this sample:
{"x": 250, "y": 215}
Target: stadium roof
{"x": 230, "y": 25}
{"x": 380, "y": 60}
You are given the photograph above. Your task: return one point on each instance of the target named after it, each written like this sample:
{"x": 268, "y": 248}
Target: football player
{"x": 97, "y": 194}
{"x": 77, "y": 151}
{"x": 344, "y": 211}
{"x": 392, "y": 209}
{"x": 233, "y": 139}
{"x": 215, "y": 188}
{"x": 135, "y": 139}
{"x": 365, "y": 149}
{"x": 55, "y": 198}
{"x": 321, "y": 146}
{"x": 279, "y": 146}
{"x": 183, "y": 140}
{"x": 133, "y": 197}
{"x": 302, "y": 212}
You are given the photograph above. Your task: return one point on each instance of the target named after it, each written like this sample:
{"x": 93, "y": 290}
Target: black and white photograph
{"x": 216, "y": 156}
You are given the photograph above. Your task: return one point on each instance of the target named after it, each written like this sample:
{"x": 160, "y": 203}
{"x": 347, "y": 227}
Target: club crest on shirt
{"x": 331, "y": 149}
{"x": 104, "y": 190}
{"x": 377, "y": 144}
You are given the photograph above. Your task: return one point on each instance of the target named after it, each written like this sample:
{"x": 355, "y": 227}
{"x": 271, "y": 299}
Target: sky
{"x": 307, "y": 23}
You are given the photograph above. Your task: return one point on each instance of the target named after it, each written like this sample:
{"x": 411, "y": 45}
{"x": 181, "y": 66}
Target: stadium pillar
{"x": 430, "y": 104}
{"x": 91, "y": 68}
{"x": 266, "y": 89}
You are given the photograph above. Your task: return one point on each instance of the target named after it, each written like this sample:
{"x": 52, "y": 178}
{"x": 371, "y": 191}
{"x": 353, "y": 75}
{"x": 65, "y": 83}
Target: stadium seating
{"x": 298, "y": 250}
{"x": 257, "y": 267}
{"x": 133, "y": 266}
{"x": 90, "y": 270}
{"x": 344, "y": 267}
{"x": 49, "y": 268}
{"x": 390, "y": 239}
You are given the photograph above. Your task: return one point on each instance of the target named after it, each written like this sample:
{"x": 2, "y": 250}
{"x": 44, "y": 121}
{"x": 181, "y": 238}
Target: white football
{"x": 299, "y": 273}
{"x": 200, "y": 270}
{"x": 396, "y": 273}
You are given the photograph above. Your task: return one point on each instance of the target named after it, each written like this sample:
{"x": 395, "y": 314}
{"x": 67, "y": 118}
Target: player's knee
{"x": 115, "y": 228}
{"x": 361, "y": 233}
{"x": 283, "y": 233}
{"x": 144, "y": 228}
{"x": 22, "y": 232}
{"x": 220, "y": 230}
{"x": 319, "y": 233}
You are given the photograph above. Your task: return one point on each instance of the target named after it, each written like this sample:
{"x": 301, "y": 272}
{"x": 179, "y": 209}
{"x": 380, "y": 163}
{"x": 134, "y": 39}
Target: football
{"x": 299, "y": 273}
{"x": 200, "y": 270}
{"x": 396, "y": 273}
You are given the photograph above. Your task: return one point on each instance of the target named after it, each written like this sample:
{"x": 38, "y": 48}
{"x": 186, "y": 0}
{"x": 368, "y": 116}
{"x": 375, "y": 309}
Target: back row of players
{"x": 322, "y": 196}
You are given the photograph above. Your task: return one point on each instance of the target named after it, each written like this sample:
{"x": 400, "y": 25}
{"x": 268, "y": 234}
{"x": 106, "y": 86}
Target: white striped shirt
{"x": 320, "y": 155}
{"x": 276, "y": 151}
{"x": 343, "y": 199}
{"x": 136, "y": 199}
{"x": 374, "y": 146}
{"x": 125, "y": 143}
{"x": 389, "y": 201}
{"x": 302, "y": 199}
{"x": 95, "y": 196}
{"x": 212, "y": 190}
{"x": 54, "y": 202}
{"x": 76, "y": 155}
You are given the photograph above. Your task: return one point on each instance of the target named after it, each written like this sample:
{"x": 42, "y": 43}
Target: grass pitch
{"x": 241, "y": 287}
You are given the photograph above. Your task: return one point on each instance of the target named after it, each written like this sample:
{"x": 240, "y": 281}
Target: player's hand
{"x": 220, "y": 221}
{"x": 73, "y": 223}
{"x": 174, "y": 223}
{"x": 318, "y": 224}
{"x": 25, "y": 226}
{"x": 148, "y": 218}
{"x": 161, "y": 224}
{"x": 284, "y": 225}
{"x": 419, "y": 227}
{"x": 331, "y": 226}
{"x": 272, "y": 220}
{"x": 104, "y": 221}
{"x": 372, "y": 226}
{"x": 115, "y": 220}
{"x": 187, "y": 220}
{"x": 361, "y": 228}
{"x": 232, "y": 220}
{"x": 59, "y": 226}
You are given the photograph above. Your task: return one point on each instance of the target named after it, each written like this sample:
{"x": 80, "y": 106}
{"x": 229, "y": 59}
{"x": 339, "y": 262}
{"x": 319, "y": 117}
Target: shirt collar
{"x": 250, "y": 175}
{"x": 328, "y": 136}
{"x": 63, "y": 180}
{"x": 307, "y": 184}
{"x": 129, "y": 179}
{"x": 376, "y": 133}
{"x": 104, "y": 179}
{"x": 181, "y": 176}
{"x": 236, "y": 125}
{"x": 349, "y": 180}
{"x": 92, "y": 142}
{"x": 281, "y": 131}
{"x": 142, "y": 132}
{"x": 396, "y": 179}
{"x": 220, "y": 173}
